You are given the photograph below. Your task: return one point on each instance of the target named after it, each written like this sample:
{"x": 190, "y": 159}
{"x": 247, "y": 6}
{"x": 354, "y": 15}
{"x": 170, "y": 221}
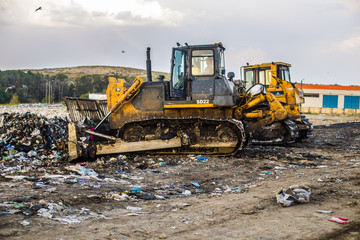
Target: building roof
{"x": 329, "y": 87}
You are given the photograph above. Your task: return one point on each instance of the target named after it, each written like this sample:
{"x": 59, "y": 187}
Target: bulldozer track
{"x": 305, "y": 129}
{"x": 198, "y": 135}
{"x": 282, "y": 132}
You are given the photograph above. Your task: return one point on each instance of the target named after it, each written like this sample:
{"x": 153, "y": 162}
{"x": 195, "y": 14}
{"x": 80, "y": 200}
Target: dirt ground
{"x": 180, "y": 197}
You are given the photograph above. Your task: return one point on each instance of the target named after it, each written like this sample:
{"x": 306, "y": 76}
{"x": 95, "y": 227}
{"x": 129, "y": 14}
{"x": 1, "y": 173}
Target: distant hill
{"x": 75, "y": 72}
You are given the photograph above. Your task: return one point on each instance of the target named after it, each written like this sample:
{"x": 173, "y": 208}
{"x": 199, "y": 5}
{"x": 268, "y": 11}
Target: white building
{"x": 331, "y": 99}
{"x": 97, "y": 96}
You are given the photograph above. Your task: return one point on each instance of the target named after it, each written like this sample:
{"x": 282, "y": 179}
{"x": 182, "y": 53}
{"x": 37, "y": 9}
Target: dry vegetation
{"x": 76, "y": 72}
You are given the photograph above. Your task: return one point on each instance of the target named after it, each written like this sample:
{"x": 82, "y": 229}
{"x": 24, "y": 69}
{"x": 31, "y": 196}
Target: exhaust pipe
{"x": 148, "y": 66}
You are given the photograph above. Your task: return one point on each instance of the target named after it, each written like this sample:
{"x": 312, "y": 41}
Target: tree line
{"x": 18, "y": 86}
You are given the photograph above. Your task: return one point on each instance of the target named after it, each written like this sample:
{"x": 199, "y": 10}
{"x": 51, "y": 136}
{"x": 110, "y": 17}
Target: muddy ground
{"x": 181, "y": 197}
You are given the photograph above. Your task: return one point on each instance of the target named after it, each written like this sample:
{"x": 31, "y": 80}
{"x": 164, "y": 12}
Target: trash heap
{"x": 32, "y": 138}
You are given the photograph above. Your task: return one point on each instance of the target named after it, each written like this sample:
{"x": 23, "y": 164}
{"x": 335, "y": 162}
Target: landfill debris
{"x": 162, "y": 236}
{"x": 180, "y": 204}
{"x": 322, "y": 166}
{"x": 324, "y": 211}
{"x": 25, "y": 223}
{"x": 202, "y": 159}
{"x": 237, "y": 189}
{"x": 32, "y": 138}
{"x": 136, "y": 213}
{"x": 37, "y": 185}
{"x": 34, "y": 169}
{"x": 65, "y": 214}
{"x": 340, "y": 220}
{"x": 133, "y": 208}
{"x": 293, "y": 194}
{"x": 187, "y": 193}
{"x": 195, "y": 184}
{"x": 135, "y": 190}
{"x": 186, "y": 220}
{"x": 83, "y": 171}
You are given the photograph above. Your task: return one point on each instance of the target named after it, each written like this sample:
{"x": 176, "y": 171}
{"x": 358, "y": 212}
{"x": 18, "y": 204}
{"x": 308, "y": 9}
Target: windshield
{"x": 284, "y": 73}
{"x": 202, "y": 62}
{"x": 179, "y": 70}
{"x": 249, "y": 79}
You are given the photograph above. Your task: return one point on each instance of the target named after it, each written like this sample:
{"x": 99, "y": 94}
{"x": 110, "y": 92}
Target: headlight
{"x": 256, "y": 90}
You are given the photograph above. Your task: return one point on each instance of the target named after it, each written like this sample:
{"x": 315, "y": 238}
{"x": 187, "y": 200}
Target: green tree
{"x": 4, "y": 96}
{"x": 99, "y": 83}
{"x": 83, "y": 85}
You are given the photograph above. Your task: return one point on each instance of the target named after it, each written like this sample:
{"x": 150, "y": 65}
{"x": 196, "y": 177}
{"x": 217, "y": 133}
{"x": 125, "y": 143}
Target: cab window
{"x": 202, "y": 62}
{"x": 179, "y": 70}
{"x": 262, "y": 77}
{"x": 249, "y": 79}
{"x": 222, "y": 63}
{"x": 284, "y": 73}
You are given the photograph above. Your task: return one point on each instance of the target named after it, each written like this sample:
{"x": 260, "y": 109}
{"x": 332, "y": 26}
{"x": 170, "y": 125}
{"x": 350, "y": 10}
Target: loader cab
{"x": 198, "y": 75}
{"x": 261, "y": 73}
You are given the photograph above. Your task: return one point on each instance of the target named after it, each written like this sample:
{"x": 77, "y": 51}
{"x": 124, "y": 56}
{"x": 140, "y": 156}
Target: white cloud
{"x": 86, "y": 12}
{"x": 251, "y": 55}
{"x": 352, "y": 5}
{"x": 350, "y": 44}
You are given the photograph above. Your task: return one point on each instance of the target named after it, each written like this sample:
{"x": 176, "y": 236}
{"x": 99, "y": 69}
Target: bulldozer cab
{"x": 275, "y": 76}
{"x": 262, "y": 74}
{"x": 198, "y": 75}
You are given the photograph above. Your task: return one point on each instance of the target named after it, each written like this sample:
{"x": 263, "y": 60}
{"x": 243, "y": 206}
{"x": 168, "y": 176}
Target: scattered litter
{"x": 187, "y": 193}
{"x": 37, "y": 185}
{"x": 162, "y": 236}
{"x": 185, "y": 220}
{"x": 322, "y": 166}
{"x": 340, "y": 220}
{"x": 68, "y": 220}
{"x": 195, "y": 184}
{"x": 159, "y": 197}
{"x": 324, "y": 211}
{"x": 202, "y": 159}
{"x": 293, "y": 194}
{"x": 82, "y": 171}
{"x": 236, "y": 188}
{"x": 180, "y": 204}
{"x": 133, "y": 208}
{"x": 25, "y": 223}
{"x": 136, "y": 214}
{"x": 135, "y": 190}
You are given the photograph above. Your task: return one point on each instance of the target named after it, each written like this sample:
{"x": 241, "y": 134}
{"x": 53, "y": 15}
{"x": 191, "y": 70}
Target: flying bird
{"x": 39, "y": 8}
{"x": 122, "y": 51}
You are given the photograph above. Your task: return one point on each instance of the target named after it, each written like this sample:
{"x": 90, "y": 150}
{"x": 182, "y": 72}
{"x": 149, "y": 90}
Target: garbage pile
{"x": 293, "y": 194}
{"x": 48, "y": 110}
{"x": 32, "y": 138}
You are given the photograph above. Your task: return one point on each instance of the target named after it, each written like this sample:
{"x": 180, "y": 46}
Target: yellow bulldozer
{"x": 199, "y": 111}
{"x": 275, "y": 77}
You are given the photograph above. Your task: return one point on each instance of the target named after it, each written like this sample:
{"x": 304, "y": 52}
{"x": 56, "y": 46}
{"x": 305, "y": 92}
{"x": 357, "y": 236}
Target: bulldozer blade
{"x": 125, "y": 147}
{"x": 230, "y": 144}
{"x": 72, "y": 146}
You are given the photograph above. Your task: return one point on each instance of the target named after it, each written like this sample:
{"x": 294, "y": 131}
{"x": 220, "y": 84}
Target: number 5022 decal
{"x": 205, "y": 101}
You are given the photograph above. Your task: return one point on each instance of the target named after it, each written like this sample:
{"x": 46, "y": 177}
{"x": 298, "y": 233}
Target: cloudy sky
{"x": 320, "y": 38}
